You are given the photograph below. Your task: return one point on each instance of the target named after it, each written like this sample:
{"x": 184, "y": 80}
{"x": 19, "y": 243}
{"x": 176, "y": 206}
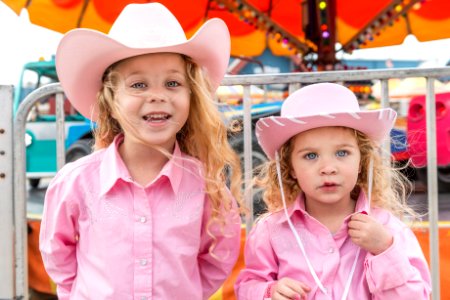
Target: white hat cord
{"x": 299, "y": 241}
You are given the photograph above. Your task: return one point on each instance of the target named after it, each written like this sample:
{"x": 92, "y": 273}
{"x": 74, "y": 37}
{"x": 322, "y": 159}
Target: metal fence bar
{"x": 6, "y": 199}
{"x": 293, "y": 87}
{"x": 248, "y": 157}
{"x": 60, "y": 132}
{"x": 433, "y": 207}
{"x": 333, "y": 76}
{"x": 384, "y": 104}
{"x": 20, "y": 203}
{"x": 21, "y": 283}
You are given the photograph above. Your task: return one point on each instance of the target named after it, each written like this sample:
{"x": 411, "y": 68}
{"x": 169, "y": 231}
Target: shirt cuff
{"x": 269, "y": 290}
{"x": 388, "y": 269}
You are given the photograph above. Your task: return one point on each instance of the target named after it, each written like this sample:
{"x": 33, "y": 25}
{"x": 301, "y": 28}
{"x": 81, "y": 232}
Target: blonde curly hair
{"x": 390, "y": 187}
{"x": 204, "y": 137}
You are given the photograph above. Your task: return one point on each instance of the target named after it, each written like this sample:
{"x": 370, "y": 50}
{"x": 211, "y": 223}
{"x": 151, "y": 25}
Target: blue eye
{"x": 311, "y": 155}
{"x": 342, "y": 153}
{"x": 138, "y": 85}
{"x": 172, "y": 84}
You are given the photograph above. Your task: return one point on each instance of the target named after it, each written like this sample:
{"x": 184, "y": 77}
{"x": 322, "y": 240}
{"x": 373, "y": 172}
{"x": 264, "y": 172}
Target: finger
{"x": 359, "y": 217}
{"x": 292, "y": 290}
{"x": 278, "y": 296}
{"x": 353, "y": 233}
{"x": 363, "y": 218}
{"x": 304, "y": 287}
{"x": 284, "y": 292}
{"x": 297, "y": 286}
{"x": 355, "y": 224}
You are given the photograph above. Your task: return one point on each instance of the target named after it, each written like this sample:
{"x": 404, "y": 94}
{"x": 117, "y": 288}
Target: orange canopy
{"x": 426, "y": 19}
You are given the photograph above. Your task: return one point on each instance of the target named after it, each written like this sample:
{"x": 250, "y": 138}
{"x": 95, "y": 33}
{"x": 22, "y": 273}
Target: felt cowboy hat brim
{"x": 83, "y": 55}
{"x": 321, "y": 105}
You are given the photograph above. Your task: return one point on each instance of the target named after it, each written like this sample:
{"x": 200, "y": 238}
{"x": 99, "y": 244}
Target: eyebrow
{"x": 170, "y": 72}
{"x": 311, "y": 149}
{"x": 175, "y": 71}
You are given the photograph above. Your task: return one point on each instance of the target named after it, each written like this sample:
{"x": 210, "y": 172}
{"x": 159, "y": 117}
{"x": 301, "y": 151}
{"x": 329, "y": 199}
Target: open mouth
{"x": 156, "y": 117}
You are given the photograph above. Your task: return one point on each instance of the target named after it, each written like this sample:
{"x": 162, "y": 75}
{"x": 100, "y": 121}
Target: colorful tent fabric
{"x": 427, "y": 19}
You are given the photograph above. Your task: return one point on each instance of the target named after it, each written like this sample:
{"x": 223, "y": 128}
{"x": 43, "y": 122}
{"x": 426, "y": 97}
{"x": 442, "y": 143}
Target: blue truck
{"x": 40, "y": 135}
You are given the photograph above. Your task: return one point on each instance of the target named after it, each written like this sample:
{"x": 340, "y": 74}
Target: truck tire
{"x": 34, "y": 182}
{"x": 79, "y": 149}
{"x": 443, "y": 177}
{"x": 258, "y": 158}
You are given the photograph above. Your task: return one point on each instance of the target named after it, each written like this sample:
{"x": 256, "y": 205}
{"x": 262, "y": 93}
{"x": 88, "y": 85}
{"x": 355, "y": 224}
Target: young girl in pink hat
{"x": 148, "y": 215}
{"x": 333, "y": 229}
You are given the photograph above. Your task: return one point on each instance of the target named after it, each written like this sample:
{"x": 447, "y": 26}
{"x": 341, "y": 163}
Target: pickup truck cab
{"x": 40, "y": 135}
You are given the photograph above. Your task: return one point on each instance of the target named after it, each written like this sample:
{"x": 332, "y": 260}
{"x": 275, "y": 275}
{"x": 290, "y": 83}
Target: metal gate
{"x": 13, "y": 229}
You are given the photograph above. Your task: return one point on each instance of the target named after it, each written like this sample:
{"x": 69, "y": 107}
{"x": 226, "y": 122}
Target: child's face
{"x": 325, "y": 163}
{"x": 153, "y": 98}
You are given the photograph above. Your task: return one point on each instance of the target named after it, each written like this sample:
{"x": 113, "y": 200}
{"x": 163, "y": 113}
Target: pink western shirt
{"x": 104, "y": 236}
{"x": 271, "y": 253}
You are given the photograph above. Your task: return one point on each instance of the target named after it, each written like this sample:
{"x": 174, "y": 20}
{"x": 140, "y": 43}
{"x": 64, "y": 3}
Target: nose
{"x": 156, "y": 98}
{"x": 328, "y": 168}
{"x": 156, "y": 95}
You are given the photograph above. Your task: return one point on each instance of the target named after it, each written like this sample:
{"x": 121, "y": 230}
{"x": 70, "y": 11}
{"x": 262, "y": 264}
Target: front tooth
{"x": 159, "y": 116}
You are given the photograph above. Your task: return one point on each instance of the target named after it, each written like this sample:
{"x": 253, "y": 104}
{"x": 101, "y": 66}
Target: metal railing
{"x": 6, "y": 195}
{"x": 19, "y": 290}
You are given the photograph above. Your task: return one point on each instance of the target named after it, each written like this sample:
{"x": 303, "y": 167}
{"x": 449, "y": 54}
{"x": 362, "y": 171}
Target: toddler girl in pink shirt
{"x": 148, "y": 215}
{"x": 333, "y": 229}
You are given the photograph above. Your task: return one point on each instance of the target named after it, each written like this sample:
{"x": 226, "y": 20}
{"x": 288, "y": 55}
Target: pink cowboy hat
{"x": 321, "y": 105}
{"x": 83, "y": 55}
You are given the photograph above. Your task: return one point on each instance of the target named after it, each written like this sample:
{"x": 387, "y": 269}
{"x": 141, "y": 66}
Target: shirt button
{"x": 143, "y": 298}
{"x": 143, "y": 262}
{"x": 143, "y": 219}
{"x": 331, "y": 250}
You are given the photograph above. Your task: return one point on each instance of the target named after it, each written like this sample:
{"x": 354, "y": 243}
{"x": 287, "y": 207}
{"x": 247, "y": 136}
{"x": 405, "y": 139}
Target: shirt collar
{"x": 112, "y": 167}
{"x": 362, "y": 205}
{"x": 173, "y": 169}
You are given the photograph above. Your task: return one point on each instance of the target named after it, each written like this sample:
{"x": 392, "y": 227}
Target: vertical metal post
{"x": 433, "y": 194}
{"x": 20, "y": 204}
{"x": 60, "y": 132}
{"x": 385, "y": 104}
{"x": 6, "y": 200}
{"x": 293, "y": 87}
{"x": 248, "y": 161}
{"x": 20, "y": 199}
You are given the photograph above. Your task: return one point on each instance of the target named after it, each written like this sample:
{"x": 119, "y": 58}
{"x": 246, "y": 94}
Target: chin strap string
{"x": 369, "y": 200}
{"x": 297, "y": 238}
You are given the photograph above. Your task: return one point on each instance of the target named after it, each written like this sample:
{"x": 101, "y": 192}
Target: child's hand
{"x": 287, "y": 288}
{"x": 369, "y": 234}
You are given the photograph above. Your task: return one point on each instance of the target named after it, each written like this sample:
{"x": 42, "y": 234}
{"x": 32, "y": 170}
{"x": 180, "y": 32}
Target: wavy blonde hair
{"x": 390, "y": 188}
{"x": 204, "y": 137}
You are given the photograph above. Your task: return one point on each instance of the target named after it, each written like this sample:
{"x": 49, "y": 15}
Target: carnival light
{"x": 259, "y": 20}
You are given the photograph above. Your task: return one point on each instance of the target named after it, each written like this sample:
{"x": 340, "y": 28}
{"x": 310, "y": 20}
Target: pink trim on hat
{"x": 321, "y": 105}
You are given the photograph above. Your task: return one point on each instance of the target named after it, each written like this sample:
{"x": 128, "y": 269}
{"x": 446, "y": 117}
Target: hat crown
{"x": 320, "y": 99}
{"x": 144, "y": 26}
